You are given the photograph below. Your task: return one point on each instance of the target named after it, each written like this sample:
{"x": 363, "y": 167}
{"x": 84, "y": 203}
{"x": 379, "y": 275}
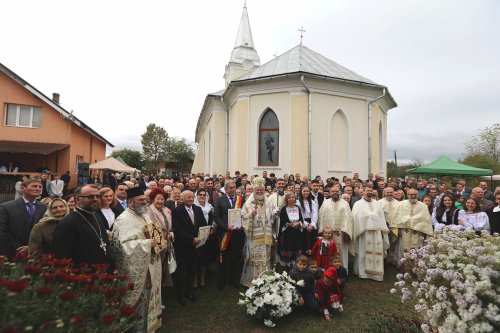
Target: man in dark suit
{"x": 121, "y": 197}
{"x": 186, "y": 220}
{"x": 17, "y": 218}
{"x": 318, "y": 197}
{"x": 231, "y": 265}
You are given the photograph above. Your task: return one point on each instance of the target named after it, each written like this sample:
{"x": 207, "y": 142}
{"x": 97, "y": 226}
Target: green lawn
{"x": 218, "y": 311}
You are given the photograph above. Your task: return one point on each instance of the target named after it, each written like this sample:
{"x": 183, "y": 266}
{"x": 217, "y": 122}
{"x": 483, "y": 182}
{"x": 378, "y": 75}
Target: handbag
{"x": 172, "y": 264}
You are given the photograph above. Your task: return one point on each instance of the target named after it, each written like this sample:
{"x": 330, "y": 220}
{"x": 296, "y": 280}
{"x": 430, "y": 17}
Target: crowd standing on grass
{"x": 315, "y": 229}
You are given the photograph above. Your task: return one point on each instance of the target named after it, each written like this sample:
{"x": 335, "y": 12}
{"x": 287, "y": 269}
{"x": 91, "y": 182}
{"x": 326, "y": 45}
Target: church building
{"x": 298, "y": 113}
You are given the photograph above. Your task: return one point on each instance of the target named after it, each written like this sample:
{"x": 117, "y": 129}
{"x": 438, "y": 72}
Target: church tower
{"x": 244, "y": 57}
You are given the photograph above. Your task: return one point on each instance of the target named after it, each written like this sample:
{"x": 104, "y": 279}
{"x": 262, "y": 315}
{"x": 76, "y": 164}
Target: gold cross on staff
{"x": 301, "y": 34}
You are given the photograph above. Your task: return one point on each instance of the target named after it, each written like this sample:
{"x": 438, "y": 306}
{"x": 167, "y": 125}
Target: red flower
{"x": 108, "y": 277}
{"x": 122, "y": 291}
{"x": 101, "y": 267}
{"x": 15, "y": 286}
{"x": 123, "y": 277}
{"x": 46, "y": 325}
{"x": 11, "y": 329}
{"x": 76, "y": 318}
{"x": 91, "y": 288}
{"x": 49, "y": 276}
{"x": 130, "y": 286}
{"x": 62, "y": 262}
{"x": 20, "y": 255}
{"x": 68, "y": 295}
{"x": 128, "y": 311}
{"x": 44, "y": 291}
{"x": 32, "y": 269}
{"x": 108, "y": 292}
{"x": 108, "y": 319}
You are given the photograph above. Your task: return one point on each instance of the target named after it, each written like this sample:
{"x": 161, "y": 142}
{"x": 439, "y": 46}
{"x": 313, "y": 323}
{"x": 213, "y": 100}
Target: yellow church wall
{"x": 355, "y": 111}
{"x": 199, "y": 159}
{"x": 218, "y": 136}
{"x": 280, "y": 104}
{"x": 238, "y": 136}
{"x": 299, "y": 134}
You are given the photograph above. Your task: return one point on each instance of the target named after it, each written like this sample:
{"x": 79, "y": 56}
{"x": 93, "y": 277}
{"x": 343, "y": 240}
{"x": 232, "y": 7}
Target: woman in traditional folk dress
{"x": 473, "y": 217}
{"x": 446, "y": 214}
{"x": 309, "y": 209}
{"x": 290, "y": 236}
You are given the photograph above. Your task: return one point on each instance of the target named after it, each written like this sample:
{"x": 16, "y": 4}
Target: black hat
{"x": 134, "y": 192}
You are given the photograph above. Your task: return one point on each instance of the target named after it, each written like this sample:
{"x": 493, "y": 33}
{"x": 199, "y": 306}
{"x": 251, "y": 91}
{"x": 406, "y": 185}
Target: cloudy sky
{"x": 120, "y": 65}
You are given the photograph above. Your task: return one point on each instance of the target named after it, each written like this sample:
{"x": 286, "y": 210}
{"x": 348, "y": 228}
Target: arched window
{"x": 269, "y": 130}
{"x": 340, "y": 142}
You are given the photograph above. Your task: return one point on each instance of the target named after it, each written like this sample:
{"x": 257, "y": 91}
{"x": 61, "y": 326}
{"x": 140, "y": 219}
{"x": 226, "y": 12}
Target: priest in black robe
{"x": 79, "y": 236}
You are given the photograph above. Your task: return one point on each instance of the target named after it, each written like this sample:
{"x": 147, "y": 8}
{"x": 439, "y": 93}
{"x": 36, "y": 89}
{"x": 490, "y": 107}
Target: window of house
{"x": 269, "y": 139}
{"x": 23, "y": 116}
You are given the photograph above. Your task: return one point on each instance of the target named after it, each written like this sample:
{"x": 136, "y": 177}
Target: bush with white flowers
{"x": 271, "y": 296}
{"x": 454, "y": 282}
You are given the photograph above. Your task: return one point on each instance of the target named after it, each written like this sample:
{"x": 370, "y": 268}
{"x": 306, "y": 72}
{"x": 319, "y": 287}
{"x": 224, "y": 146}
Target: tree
{"x": 132, "y": 157}
{"x": 154, "y": 146}
{"x": 486, "y": 142}
{"x": 483, "y": 151}
{"x": 180, "y": 153}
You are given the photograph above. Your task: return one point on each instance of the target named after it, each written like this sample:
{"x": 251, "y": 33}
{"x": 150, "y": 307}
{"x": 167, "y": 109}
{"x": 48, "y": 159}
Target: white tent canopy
{"x": 112, "y": 163}
{"x": 494, "y": 177}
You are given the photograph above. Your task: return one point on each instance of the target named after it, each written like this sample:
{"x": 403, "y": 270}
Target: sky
{"x": 120, "y": 65}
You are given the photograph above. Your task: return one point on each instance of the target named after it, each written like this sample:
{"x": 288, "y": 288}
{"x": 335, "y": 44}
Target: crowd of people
{"x": 313, "y": 228}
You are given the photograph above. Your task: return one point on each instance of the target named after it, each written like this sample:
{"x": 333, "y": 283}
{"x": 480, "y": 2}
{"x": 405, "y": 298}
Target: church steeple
{"x": 244, "y": 56}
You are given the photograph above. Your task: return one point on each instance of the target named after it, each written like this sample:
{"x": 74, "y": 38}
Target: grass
{"x": 217, "y": 311}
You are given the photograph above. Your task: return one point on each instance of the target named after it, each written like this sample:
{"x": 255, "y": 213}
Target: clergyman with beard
{"x": 136, "y": 257}
{"x": 411, "y": 224}
{"x": 336, "y": 214}
{"x": 370, "y": 237}
{"x": 258, "y": 218}
{"x": 79, "y": 236}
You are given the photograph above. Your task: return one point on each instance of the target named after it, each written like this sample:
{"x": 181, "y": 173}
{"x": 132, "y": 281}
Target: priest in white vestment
{"x": 390, "y": 206}
{"x": 412, "y": 224}
{"x": 336, "y": 214}
{"x": 370, "y": 237}
{"x": 136, "y": 257}
{"x": 257, "y": 221}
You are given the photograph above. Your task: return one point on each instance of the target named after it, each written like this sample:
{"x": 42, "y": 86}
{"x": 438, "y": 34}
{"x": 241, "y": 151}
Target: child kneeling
{"x": 307, "y": 293}
{"x": 329, "y": 294}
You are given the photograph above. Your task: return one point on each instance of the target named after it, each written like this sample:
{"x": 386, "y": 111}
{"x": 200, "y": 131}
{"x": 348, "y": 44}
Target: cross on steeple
{"x": 301, "y": 34}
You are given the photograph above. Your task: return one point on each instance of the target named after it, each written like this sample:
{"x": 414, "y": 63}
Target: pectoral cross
{"x": 103, "y": 247}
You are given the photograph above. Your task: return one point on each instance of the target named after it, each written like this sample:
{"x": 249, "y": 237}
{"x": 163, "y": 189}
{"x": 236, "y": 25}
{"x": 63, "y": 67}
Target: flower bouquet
{"x": 271, "y": 297}
{"x": 42, "y": 293}
{"x": 454, "y": 281}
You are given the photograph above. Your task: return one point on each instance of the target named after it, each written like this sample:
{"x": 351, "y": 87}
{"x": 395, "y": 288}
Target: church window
{"x": 339, "y": 143}
{"x": 269, "y": 139}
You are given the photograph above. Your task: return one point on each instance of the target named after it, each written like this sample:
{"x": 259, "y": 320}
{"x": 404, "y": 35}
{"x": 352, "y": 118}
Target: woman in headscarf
{"x": 42, "y": 233}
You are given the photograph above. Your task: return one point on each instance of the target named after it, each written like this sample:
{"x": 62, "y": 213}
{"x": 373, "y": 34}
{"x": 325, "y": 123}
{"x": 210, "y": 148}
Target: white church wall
{"x": 355, "y": 112}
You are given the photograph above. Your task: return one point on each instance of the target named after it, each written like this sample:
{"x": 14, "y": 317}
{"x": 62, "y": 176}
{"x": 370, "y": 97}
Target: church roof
{"x": 304, "y": 60}
{"x": 244, "y": 48}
